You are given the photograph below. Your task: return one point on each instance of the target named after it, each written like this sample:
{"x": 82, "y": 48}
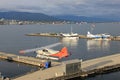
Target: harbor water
{"x": 13, "y": 39}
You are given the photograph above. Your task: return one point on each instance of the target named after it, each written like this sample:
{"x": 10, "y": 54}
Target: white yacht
{"x": 69, "y": 34}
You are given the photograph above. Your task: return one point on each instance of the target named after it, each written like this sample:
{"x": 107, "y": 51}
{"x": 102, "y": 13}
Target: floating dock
{"x": 24, "y": 59}
{"x": 116, "y": 38}
{"x": 44, "y": 34}
{"x": 85, "y": 69}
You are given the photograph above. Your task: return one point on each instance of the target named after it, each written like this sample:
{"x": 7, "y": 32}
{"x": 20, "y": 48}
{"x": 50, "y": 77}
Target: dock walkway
{"x": 56, "y": 72}
{"x": 115, "y": 38}
{"x": 24, "y": 59}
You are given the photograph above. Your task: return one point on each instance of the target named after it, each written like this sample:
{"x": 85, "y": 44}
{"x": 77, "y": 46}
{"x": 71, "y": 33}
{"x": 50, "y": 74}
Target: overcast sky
{"x": 59, "y": 7}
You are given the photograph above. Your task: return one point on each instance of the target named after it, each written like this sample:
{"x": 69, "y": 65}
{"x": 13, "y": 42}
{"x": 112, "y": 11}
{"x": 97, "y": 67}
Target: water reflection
{"x": 70, "y": 41}
{"x": 13, "y": 69}
{"x": 98, "y": 45}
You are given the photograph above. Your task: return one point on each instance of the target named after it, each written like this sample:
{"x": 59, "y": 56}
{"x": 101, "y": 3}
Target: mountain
{"x": 89, "y": 19}
{"x": 27, "y": 16}
{"x": 43, "y": 17}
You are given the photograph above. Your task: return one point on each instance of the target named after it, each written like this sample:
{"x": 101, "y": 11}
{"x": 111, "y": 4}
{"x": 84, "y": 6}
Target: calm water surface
{"x": 13, "y": 39}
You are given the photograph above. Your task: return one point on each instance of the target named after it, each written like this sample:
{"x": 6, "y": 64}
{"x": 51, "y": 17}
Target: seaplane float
{"x": 47, "y": 53}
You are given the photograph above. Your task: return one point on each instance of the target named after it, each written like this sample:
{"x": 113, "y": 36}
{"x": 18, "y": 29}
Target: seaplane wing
{"x": 40, "y": 48}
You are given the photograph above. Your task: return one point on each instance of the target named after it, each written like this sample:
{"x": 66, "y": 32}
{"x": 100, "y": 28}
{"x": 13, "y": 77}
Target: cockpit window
{"x": 44, "y": 50}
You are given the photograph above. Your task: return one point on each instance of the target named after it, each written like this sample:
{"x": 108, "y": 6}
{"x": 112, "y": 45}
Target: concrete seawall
{"x": 89, "y": 67}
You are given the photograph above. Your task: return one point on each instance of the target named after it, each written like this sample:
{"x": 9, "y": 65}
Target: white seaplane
{"x": 98, "y": 36}
{"x": 47, "y": 53}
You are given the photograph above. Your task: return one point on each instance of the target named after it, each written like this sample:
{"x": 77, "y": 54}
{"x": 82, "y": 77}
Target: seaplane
{"x": 47, "y": 53}
{"x": 98, "y": 36}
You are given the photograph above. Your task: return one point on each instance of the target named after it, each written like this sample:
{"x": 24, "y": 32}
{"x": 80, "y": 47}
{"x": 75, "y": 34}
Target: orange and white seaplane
{"x": 47, "y": 53}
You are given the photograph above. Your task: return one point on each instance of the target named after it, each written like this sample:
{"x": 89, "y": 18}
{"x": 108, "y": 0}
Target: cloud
{"x": 59, "y": 7}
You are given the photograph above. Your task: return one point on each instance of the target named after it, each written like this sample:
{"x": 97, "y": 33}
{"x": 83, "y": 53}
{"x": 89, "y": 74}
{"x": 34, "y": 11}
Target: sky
{"x": 64, "y": 7}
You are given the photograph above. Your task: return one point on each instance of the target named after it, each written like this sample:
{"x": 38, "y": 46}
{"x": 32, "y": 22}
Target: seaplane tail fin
{"x": 63, "y": 53}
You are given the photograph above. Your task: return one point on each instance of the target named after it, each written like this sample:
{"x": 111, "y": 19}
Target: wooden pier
{"x": 88, "y": 67}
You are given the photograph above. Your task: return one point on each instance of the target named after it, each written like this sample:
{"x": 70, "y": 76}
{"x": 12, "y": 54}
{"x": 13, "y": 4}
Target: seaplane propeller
{"x": 39, "y": 48}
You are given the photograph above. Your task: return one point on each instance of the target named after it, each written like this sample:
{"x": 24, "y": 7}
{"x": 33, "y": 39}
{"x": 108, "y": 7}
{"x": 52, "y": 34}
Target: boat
{"x": 105, "y": 35}
{"x": 69, "y": 34}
